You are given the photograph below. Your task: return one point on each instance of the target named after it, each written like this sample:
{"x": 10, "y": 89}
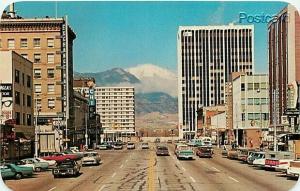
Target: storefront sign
{"x": 6, "y": 89}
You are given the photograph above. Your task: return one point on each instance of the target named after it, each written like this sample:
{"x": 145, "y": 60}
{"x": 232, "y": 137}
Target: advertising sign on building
{"x": 292, "y": 95}
{"x": 6, "y": 89}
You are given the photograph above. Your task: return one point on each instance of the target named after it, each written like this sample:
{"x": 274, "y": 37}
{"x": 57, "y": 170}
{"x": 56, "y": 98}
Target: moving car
{"x": 130, "y": 145}
{"x": 66, "y": 168}
{"x": 38, "y": 166}
{"x": 255, "y": 155}
{"x": 91, "y": 158}
{"x": 145, "y": 146}
{"x": 118, "y": 146}
{"x": 51, "y": 163}
{"x": 204, "y": 151}
{"x": 184, "y": 152}
{"x": 162, "y": 151}
{"x": 14, "y": 171}
{"x": 59, "y": 157}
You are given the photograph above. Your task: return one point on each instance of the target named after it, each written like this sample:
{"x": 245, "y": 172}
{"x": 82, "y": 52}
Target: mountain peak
{"x": 151, "y": 70}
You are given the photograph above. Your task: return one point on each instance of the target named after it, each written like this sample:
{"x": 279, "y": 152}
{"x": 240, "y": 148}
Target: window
{"x": 243, "y": 116}
{"x": 11, "y": 43}
{"x": 25, "y": 56}
{"x": 37, "y": 88}
{"x": 37, "y": 73}
{"x": 250, "y": 86}
{"x": 242, "y": 87}
{"x": 39, "y": 103}
{"x": 17, "y": 76}
{"x": 50, "y": 42}
{"x": 51, "y": 103}
{"x": 250, "y": 101}
{"x": 24, "y": 99}
{"x": 37, "y": 43}
{"x": 263, "y": 85}
{"x": 29, "y": 119}
{"x": 250, "y": 116}
{"x": 23, "y": 43}
{"x": 18, "y": 118}
{"x": 23, "y": 119}
{"x": 256, "y": 101}
{"x": 50, "y": 73}
{"x": 243, "y": 101}
{"x": 264, "y": 101}
{"x": 28, "y": 81}
{"x": 256, "y": 86}
{"x": 0, "y": 43}
{"x": 17, "y": 97}
{"x": 50, "y": 58}
{"x": 29, "y": 101}
{"x": 50, "y": 88}
{"x": 23, "y": 79}
{"x": 37, "y": 58}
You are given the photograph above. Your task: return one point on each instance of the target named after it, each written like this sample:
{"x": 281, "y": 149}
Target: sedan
{"x": 145, "y": 146}
{"x": 162, "y": 151}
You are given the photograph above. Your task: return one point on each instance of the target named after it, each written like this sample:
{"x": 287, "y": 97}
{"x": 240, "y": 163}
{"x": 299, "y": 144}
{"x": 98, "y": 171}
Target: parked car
{"x": 259, "y": 162}
{"x": 118, "y": 146}
{"x": 162, "y": 151}
{"x": 255, "y": 155}
{"x": 184, "y": 152}
{"x": 66, "y": 168}
{"x": 102, "y": 146}
{"x": 145, "y": 146}
{"x": 278, "y": 160}
{"x": 74, "y": 152}
{"x": 91, "y": 158}
{"x": 130, "y": 145}
{"x": 224, "y": 151}
{"x": 232, "y": 154}
{"x": 23, "y": 164}
{"x": 293, "y": 170}
{"x": 58, "y": 157}
{"x": 204, "y": 151}
{"x": 38, "y": 166}
{"x": 14, "y": 171}
{"x": 243, "y": 154}
{"x": 51, "y": 163}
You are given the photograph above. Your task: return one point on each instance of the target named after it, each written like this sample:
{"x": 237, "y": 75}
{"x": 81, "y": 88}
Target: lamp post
{"x": 36, "y": 129}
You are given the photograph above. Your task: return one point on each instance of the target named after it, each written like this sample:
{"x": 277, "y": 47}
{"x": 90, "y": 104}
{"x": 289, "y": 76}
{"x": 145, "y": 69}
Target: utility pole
{"x": 86, "y": 135}
{"x": 274, "y": 118}
{"x": 36, "y": 130}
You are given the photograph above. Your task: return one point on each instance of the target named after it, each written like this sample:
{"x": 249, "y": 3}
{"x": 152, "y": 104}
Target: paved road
{"x": 142, "y": 170}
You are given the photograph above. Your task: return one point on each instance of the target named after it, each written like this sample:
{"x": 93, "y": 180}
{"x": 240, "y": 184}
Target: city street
{"x": 143, "y": 170}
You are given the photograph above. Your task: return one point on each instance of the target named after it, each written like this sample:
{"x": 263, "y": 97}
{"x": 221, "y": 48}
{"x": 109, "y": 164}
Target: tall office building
{"x": 116, "y": 107}
{"x": 48, "y": 43}
{"x": 284, "y": 58}
{"x": 207, "y": 55}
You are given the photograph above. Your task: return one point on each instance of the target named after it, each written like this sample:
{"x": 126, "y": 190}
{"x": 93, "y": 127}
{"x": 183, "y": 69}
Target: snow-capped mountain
{"x": 155, "y": 79}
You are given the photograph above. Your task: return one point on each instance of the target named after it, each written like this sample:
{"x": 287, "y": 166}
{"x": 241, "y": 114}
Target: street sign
{"x": 6, "y": 89}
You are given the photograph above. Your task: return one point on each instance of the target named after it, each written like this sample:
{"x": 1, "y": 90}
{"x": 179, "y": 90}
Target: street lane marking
{"x": 114, "y": 174}
{"x": 102, "y": 187}
{"x": 192, "y": 179}
{"x": 121, "y": 166}
{"x": 52, "y": 189}
{"x": 151, "y": 172}
{"x": 215, "y": 169}
{"x": 233, "y": 179}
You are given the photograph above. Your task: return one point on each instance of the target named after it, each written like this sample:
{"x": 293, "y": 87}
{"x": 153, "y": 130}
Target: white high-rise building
{"x": 116, "y": 107}
{"x": 207, "y": 55}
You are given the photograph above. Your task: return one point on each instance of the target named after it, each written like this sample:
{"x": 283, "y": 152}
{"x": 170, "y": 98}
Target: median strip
{"x": 233, "y": 179}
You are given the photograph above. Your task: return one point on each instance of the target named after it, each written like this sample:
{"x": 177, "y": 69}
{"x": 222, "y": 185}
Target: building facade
{"x": 284, "y": 59}
{"x": 116, "y": 106}
{"x": 48, "y": 43}
{"x": 207, "y": 55}
{"x": 17, "y": 109}
{"x": 251, "y": 104}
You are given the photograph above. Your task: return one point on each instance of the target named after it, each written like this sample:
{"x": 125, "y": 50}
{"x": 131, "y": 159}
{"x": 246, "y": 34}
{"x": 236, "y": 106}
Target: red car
{"x": 58, "y": 157}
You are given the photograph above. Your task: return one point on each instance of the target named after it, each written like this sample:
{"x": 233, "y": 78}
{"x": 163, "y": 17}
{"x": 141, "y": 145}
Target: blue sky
{"x": 126, "y": 34}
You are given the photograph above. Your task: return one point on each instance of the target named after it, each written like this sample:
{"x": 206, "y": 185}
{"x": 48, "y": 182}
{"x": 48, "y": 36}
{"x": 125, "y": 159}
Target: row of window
{"x": 38, "y": 73}
{"x": 256, "y": 101}
{"x": 26, "y": 119}
{"x": 121, "y": 94}
{"x": 51, "y": 103}
{"x": 114, "y": 89}
{"x": 254, "y": 86}
{"x": 36, "y": 43}
{"x": 114, "y": 97}
{"x": 38, "y": 88}
{"x": 37, "y": 58}
{"x": 20, "y": 78}
{"x": 22, "y": 99}
{"x": 256, "y": 116}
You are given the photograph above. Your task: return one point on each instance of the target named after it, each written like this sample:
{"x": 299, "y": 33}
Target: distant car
{"x": 162, "y": 151}
{"x": 103, "y": 146}
{"x": 66, "y": 168}
{"x": 204, "y": 151}
{"x": 130, "y": 145}
{"x": 38, "y": 166}
{"x": 118, "y": 146}
{"x": 74, "y": 152}
{"x": 145, "y": 146}
{"x": 14, "y": 171}
{"x": 91, "y": 158}
{"x": 169, "y": 141}
{"x": 157, "y": 140}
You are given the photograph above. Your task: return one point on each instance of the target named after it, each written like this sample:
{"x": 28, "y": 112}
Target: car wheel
{"x": 18, "y": 176}
{"x": 38, "y": 169}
